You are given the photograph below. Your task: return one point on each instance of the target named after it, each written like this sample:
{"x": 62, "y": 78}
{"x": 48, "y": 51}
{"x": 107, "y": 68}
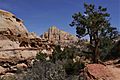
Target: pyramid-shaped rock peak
{"x": 56, "y": 35}
{"x": 53, "y": 27}
{"x": 11, "y": 24}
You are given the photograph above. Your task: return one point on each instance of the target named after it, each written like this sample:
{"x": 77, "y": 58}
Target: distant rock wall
{"x": 58, "y": 36}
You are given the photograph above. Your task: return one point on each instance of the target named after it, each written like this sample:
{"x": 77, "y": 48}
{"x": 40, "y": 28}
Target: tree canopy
{"x": 95, "y": 22}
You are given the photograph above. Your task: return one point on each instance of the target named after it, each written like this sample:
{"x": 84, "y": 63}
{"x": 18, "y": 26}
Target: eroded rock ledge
{"x": 18, "y": 47}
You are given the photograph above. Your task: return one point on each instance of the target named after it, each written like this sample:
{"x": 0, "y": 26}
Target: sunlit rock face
{"x": 12, "y": 29}
{"x": 9, "y": 22}
{"x": 98, "y": 72}
{"x": 58, "y": 36}
{"x": 18, "y": 47}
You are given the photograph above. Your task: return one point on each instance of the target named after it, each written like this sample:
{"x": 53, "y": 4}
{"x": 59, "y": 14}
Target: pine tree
{"x": 94, "y": 22}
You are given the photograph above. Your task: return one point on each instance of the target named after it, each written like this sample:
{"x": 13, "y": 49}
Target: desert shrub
{"x": 60, "y": 66}
{"x": 41, "y": 56}
{"x": 53, "y": 71}
{"x": 73, "y": 68}
{"x": 114, "y": 52}
{"x": 66, "y": 57}
{"x": 66, "y": 54}
{"x": 8, "y": 77}
{"x": 46, "y": 71}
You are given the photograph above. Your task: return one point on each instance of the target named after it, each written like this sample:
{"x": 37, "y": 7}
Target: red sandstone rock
{"x": 99, "y": 72}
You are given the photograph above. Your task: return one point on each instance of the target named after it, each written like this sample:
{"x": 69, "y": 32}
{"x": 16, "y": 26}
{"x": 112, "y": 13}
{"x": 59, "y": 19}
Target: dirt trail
{"x": 115, "y": 71}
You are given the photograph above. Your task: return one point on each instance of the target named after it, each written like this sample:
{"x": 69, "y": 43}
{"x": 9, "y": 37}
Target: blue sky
{"x": 39, "y": 15}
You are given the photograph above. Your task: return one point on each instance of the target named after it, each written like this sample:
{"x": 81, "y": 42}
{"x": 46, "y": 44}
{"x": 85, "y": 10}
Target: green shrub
{"x": 60, "y": 66}
{"x": 46, "y": 70}
{"x": 41, "y": 56}
{"x": 73, "y": 68}
{"x": 8, "y": 77}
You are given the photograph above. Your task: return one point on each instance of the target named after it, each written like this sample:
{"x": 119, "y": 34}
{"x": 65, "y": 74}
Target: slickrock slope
{"x": 115, "y": 71}
{"x": 56, "y": 36}
{"x": 13, "y": 38}
{"x": 10, "y": 23}
{"x": 13, "y": 33}
{"x": 101, "y": 72}
{"x": 98, "y": 72}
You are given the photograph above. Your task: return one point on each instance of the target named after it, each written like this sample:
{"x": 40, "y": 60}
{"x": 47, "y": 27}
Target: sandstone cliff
{"x": 56, "y": 36}
{"x": 9, "y": 22}
{"x": 13, "y": 33}
{"x": 19, "y": 46}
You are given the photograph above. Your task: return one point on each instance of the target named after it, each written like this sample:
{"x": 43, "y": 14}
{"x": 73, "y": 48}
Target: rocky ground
{"x": 102, "y": 72}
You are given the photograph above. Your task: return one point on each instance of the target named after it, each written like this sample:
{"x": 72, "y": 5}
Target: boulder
{"x": 21, "y": 66}
{"x": 2, "y": 70}
{"x": 98, "y": 72}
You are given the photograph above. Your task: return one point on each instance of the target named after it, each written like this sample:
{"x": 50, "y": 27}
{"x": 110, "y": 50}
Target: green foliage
{"x": 8, "y": 77}
{"x": 67, "y": 56}
{"x": 60, "y": 67}
{"x": 46, "y": 71}
{"x": 105, "y": 47}
{"x": 94, "y": 22}
{"x": 73, "y": 68}
{"x": 115, "y": 52}
{"x": 41, "y": 56}
{"x": 67, "y": 53}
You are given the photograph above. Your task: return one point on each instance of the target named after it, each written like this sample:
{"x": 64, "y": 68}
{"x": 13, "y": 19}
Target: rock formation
{"x": 56, "y": 36}
{"x": 101, "y": 72}
{"x": 18, "y": 46}
{"x": 12, "y": 34}
{"x": 98, "y": 72}
{"x": 9, "y": 22}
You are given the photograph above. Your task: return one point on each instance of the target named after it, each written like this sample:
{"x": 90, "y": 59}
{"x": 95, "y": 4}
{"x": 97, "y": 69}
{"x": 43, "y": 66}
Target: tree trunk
{"x": 96, "y": 52}
{"x": 90, "y": 39}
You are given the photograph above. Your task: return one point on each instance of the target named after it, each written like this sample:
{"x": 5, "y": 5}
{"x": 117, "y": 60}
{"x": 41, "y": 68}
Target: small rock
{"x": 21, "y": 66}
{"x": 8, "y": 76}
{"x": 2, "y": 70}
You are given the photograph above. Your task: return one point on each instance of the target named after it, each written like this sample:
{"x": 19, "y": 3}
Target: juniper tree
{"x": 94, "y": 22}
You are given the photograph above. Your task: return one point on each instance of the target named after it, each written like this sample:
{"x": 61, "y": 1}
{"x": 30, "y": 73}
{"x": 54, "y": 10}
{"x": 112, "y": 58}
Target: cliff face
{"x": 58, "y": 36}
{"x": 11, "y": 24}
{"x": 13, "y": 33}
{"x": 16, "y": 42}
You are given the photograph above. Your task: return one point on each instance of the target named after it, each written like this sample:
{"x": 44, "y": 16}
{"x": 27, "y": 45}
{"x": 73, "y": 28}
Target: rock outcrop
{"x": 13, "y": 33}
{"x": 18, "y": 47}
{"x": 2, "y": 70}
{"x": 56, "y": 36}
{"x": 101, "y": 72}
{"x": 11, "y": 24}
{"x": 98, "y": 72}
